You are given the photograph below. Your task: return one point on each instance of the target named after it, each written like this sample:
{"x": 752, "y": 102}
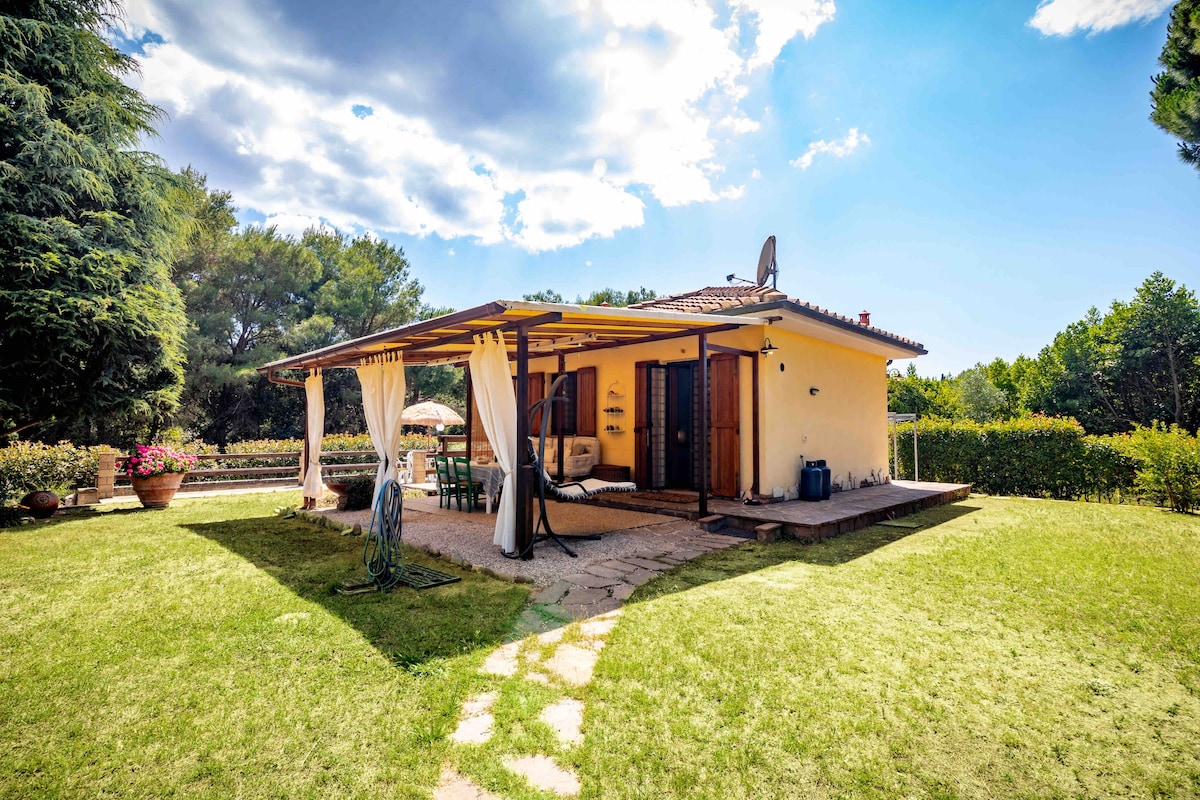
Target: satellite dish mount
{"x": 766, "y": 267}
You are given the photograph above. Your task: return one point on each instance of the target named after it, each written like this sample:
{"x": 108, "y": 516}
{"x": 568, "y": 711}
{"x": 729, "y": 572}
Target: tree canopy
{"x": 254, "y": 295}
{"x": 92, "y": 322}
{"x": 1134, "y": 365}
{"x": 1175, "y": 98}
{"x": 612, "y": 297}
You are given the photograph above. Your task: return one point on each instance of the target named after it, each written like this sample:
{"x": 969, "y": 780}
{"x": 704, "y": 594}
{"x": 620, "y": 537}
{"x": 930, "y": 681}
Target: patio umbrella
{"x": 429, "y": 413}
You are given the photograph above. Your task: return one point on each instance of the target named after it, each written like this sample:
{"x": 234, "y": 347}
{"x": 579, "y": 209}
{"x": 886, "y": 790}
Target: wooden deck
{"x": 807, "y": 521}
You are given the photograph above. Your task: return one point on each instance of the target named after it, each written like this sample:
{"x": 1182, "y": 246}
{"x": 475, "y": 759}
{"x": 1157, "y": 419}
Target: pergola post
{"x": 704, "y": 425}
{"x": 470, "y": 402}
{"x": 524, "y": 469}
{"x": 754, "y": 401}
{"x": 559, "y": 419}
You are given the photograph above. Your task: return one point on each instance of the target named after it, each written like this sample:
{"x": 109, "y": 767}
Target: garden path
{"x": 561, "y": 659}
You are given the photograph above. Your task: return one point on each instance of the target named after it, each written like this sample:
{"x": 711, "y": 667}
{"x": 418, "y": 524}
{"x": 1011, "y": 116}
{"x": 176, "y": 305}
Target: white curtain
{"x": 314, "y": 395}
{"x": 497, "y": 404}
{"x": 383, "y": 388}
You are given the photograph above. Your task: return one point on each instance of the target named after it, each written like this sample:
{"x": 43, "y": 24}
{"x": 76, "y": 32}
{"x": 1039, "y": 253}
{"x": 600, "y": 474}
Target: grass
{"x": 201, "y": 652}
{"x": 1010, "y": 648}
{"x": 1007, "y": 649}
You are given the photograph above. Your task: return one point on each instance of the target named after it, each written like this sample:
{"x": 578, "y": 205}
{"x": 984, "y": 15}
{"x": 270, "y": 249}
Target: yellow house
{"x": 819, "y": 386}
{"x": 788, "y": 382}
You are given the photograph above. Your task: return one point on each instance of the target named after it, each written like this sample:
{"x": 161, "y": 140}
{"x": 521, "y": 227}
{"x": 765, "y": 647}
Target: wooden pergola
{"x": 537, "y": 330}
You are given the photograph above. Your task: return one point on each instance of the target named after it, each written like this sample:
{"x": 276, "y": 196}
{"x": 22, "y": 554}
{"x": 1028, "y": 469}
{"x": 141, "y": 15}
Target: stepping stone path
{"x": 593, "y": 598}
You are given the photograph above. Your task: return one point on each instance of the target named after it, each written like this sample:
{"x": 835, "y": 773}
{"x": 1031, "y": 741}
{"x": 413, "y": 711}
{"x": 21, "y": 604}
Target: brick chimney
{"x": 864, "y": 318}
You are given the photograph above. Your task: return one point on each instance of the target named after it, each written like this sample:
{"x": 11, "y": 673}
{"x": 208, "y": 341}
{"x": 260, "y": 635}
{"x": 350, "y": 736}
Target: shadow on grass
{"x": 735, "y": 562}
{"x": 413, "y": 629}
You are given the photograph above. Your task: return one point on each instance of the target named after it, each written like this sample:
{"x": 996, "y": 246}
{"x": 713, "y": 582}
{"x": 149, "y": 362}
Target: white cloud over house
{"x": 1065, "y": 17}
{"x": 837, "y": 148}
{"x": 621, "y": 104}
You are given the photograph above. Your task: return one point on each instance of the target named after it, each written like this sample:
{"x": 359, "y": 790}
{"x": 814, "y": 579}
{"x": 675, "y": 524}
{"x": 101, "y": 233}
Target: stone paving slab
{"x": 622, "y": 591}
{"x": 553, "y": 593}
{"x": 572, "y": 663}
{"x": 640, "y": 576}
{"x": 584, "y": 596}
{"x": 475, "y": 727}
{"x": 605, "y": 572}
{"x": 542, "y": 772}
{"x": 598, "y": 627}
{"x": 645, "y": 563}
{"x": 452, "y": 786}
{"x": 590, "y": 581}
{"x": 502, "y": 661}
{"x": 565, "y": 718}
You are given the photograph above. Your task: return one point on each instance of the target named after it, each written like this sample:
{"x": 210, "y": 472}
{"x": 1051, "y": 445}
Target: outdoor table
{"x": 492, "y": 477}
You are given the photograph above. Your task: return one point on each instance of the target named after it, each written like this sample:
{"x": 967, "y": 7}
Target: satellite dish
{"x": 766, "y": 263}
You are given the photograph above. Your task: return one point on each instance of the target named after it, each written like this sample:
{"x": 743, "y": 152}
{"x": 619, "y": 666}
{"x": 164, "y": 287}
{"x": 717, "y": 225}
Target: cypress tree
{"x": 92, "y": 324}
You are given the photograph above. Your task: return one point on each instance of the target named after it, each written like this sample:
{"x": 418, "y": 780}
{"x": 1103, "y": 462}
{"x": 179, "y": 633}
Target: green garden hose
{"x": 381, "y": 551}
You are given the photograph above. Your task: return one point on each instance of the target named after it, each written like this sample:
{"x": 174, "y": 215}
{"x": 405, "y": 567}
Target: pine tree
{"x": 92, "y": 324}
{"x": 1176, "y": 95}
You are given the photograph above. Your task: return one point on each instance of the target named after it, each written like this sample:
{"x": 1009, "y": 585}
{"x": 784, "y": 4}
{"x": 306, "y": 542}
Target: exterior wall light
{"x": 814, "y": 391}
{"x": 767, "y": 347}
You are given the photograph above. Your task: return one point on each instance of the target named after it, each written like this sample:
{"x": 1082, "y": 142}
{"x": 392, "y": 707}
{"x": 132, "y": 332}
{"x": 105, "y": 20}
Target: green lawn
{"x": 1010, "y": 648}
{"x": 200, "y": 651}
{"x": 1007, "y": 649}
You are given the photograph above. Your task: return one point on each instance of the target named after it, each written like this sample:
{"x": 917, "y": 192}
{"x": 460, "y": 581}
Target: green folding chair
{"x": 463, "y": 484}
{"x": 445, "y": 481}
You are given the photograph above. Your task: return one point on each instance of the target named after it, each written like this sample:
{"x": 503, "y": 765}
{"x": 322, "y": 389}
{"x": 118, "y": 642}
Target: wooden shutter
{"x": 537, "y": 392}
{"x": 640, "y": 439}
{"x": 725, "y": 455}
{"x": 585, "y": 401}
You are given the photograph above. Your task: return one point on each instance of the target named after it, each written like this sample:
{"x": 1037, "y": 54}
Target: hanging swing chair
{"x": 570, "y": 491}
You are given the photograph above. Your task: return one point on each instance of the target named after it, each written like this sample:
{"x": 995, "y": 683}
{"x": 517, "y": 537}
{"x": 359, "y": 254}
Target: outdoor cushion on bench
{"x": 579, "y": 490}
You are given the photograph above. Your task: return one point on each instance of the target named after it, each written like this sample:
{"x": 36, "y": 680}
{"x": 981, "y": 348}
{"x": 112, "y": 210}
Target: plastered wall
{"x": 844, "y": 423}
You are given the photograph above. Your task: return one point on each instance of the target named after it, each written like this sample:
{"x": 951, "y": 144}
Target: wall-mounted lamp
{"x": 814, "y": 391}
{"x": 768, "y": 348}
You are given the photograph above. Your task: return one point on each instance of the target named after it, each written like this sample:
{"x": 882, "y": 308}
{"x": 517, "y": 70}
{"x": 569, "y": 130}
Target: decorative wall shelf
{"x": 614, "y": 408}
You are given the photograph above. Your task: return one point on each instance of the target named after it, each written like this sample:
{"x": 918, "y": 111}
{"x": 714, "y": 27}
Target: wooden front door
{"x": 725, "y": 450}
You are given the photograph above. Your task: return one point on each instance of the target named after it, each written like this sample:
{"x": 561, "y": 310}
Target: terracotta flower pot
{"x": 157, "y": 490}
{"x": 41, "y": 505}
{"x": 339, "y": 489}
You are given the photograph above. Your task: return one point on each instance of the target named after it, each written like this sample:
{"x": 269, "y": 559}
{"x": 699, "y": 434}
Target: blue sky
{"x": 976, "y": 174}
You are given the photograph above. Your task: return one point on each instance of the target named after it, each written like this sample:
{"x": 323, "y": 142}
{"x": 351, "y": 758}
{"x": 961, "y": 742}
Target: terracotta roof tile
{"x": 723, "y": 298}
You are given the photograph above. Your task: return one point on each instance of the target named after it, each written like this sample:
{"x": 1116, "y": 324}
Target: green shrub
{"x": 1168, "y": 465}
{"x": 12, "y": 516}
{"x": 1031, "y": 457}
{"x": 360, "y": 491}
{"x": 31, "y": 466}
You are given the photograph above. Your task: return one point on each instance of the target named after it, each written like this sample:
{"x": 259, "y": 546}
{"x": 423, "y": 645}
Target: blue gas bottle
{"x": 826, "y": 480}
{"x": 810, "y": 481}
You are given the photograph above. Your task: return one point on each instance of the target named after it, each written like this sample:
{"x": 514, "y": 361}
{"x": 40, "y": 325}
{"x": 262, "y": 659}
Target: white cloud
{"x": 838, "y": 148}
{"x": 1065, "y": 17}
{"x": 562, "y": 209}
{"x": 668, "y": 77}
{"x": 780, "y": 20}
{"x": 740, "y": 124}
{"x": 291, "y": 224}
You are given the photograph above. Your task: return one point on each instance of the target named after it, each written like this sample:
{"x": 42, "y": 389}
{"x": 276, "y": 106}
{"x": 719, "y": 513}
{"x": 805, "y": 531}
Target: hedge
{"x": 329, "y": 443}
{"x": 31, "y": 466}
{"x": 1032, "y": 457}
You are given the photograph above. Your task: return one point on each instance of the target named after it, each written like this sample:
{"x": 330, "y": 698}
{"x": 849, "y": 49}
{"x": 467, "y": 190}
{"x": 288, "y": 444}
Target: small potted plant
{"x": 156, "y": 473}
